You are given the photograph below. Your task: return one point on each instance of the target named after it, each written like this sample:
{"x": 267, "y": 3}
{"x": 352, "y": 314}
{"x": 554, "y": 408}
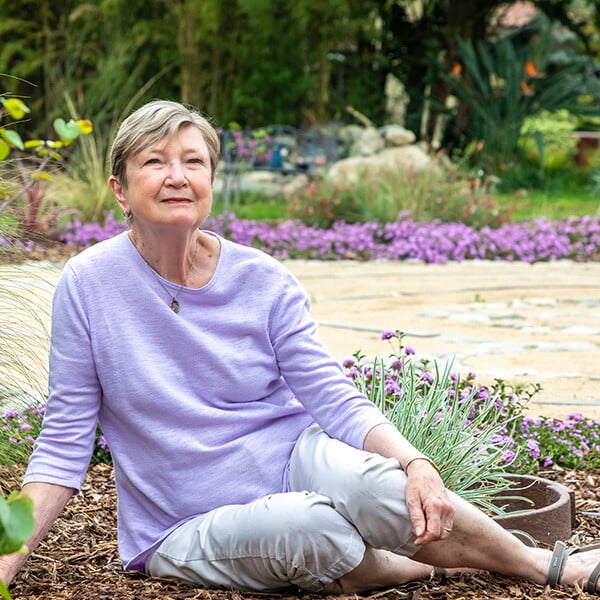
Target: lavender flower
{"x": 436, "y": 242}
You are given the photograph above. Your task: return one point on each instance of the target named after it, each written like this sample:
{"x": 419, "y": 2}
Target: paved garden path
{"x": 522, "y": 323}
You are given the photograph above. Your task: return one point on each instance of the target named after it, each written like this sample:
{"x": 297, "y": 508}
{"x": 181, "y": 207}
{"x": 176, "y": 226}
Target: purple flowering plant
{"x": 433, "y": 242}
{"x": 442, "y": 416}
{"x": 18, "y": 431}
{"x": 19, "y": 428}
{"x": 439, "y": 411}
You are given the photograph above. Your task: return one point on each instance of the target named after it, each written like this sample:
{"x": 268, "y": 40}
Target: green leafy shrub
{"x": 546, "y": 139}
{"x": 446, "y": 193}
{"x": 26, "y": 166}
{"x": 16, "y": 526}
{"x": 503, "y": 82}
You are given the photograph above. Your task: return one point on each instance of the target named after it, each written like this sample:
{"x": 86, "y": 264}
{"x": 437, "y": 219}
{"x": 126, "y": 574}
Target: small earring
{"x": 127, "y": 215}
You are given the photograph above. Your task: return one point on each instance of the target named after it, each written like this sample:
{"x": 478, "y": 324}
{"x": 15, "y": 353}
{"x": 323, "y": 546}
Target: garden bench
{"x": 274, "y": 148}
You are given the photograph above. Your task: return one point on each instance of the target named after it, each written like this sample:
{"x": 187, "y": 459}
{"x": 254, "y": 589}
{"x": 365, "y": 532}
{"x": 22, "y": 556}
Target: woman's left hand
{"x": 430, "y": 509}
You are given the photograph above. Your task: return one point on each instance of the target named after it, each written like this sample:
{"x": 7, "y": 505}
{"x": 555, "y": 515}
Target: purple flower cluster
{"x": 10, "y": 244}
{"x": 530, "y": 443}
{"x": 81, "y": 235}
{"x": 248, "y": 147}
{"x": 20, "y": 428}
{"x": 572, "y": 442}
{"x": 436, "y": 242}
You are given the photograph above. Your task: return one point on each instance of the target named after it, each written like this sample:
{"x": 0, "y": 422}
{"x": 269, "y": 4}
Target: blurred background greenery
{"x": 500, "y": 88}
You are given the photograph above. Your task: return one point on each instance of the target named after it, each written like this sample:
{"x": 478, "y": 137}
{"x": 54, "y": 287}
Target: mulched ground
{"x": 79, "y": 558}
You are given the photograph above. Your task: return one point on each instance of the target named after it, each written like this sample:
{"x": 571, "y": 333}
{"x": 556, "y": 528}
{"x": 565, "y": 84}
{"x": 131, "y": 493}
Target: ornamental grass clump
{"x": 24, "y": 334}
{"x": 440, "y": 411}
{"x": 441, "y": 416}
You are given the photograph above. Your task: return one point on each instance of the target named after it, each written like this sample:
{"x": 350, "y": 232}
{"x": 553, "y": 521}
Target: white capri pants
{"x": 340, "y": 499}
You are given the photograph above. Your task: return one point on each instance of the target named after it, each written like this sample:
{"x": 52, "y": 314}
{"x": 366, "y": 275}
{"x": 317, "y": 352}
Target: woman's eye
{"x": 152, "y": 161}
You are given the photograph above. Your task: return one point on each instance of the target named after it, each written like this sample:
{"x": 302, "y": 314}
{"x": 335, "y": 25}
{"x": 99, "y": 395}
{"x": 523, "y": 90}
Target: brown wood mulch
{"x": 79, "y": 559}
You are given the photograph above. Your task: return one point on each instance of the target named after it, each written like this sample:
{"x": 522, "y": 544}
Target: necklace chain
{"x": 174, "y": 305}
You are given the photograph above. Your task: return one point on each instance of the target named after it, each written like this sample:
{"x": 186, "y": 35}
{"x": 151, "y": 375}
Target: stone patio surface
{"x": 513, "y": 321}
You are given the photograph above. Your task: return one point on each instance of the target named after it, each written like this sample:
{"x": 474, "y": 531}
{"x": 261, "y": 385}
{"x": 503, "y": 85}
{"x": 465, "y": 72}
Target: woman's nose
{"x": 176, "y": 175}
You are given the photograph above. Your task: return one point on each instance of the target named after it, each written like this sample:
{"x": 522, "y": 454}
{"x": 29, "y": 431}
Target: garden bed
{"x": 79, "y": 558}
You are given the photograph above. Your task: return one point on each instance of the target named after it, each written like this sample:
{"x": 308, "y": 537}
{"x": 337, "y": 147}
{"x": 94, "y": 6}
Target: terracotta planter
{"x": 550, "y": 514}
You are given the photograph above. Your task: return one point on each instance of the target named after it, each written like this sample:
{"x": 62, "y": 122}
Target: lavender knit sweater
{"x": 200, "y": 408}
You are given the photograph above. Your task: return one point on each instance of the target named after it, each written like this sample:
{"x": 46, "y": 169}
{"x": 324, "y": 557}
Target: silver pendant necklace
{"x": 174, "y": 305}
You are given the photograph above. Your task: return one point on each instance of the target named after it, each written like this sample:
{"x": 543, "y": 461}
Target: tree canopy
{"x": 253, "y": 62}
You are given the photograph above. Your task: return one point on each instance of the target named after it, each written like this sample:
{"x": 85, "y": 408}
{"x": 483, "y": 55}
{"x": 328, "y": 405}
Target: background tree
{"x": 252, "y": 61}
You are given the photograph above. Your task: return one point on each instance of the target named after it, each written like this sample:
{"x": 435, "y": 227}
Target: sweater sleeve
{"x": 314, "y": 376}
{"x": 62, "y": 452}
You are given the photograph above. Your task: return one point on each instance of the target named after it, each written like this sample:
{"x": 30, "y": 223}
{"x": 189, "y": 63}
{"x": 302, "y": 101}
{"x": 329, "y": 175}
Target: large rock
{"x": 369, "y": 142}
{"x": 407, "y": 158}
{"x": 395, "y": 135}
{"x": 349, "y": 134}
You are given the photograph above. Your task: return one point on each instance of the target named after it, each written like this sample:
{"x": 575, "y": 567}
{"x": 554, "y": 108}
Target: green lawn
{"x": 524, "y": 205}
{"x": 551, "y": 205}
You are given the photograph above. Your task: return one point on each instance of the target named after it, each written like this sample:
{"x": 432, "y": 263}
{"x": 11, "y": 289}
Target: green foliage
{"x": 27, "y": 163}
{"x": 595, "y": 179}
{"x": 80, "y": 189}
{"x": 100, "y": 53}
{"x": 253, "y": 206}
{"x": 16, "y": 526}
{"x": 546, "y": 139}
{"x": 254, "y": 61}
{"x": 504, "y": 83}
{"x": 445, "y": 192}
{"x": 553, "y": 194}
{"x": 16, "y": 522}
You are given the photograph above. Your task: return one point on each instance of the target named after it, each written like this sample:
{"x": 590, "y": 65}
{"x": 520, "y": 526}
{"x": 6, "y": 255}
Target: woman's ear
{"x": 117, "y": 190}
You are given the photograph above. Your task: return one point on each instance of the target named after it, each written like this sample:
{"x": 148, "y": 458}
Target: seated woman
{"x": 243, "y": 456}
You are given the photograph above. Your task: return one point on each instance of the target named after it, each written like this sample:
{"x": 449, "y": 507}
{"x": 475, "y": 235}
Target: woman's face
{"x": 168, "y": 183}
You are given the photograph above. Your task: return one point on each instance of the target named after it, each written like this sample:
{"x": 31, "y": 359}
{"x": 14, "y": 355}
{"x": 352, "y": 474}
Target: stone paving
{"x": 513, "y": 321}
{"x": 521, "y": 323}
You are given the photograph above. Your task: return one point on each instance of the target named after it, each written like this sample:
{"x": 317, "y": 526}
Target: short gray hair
{"x": 153, "y": 122}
